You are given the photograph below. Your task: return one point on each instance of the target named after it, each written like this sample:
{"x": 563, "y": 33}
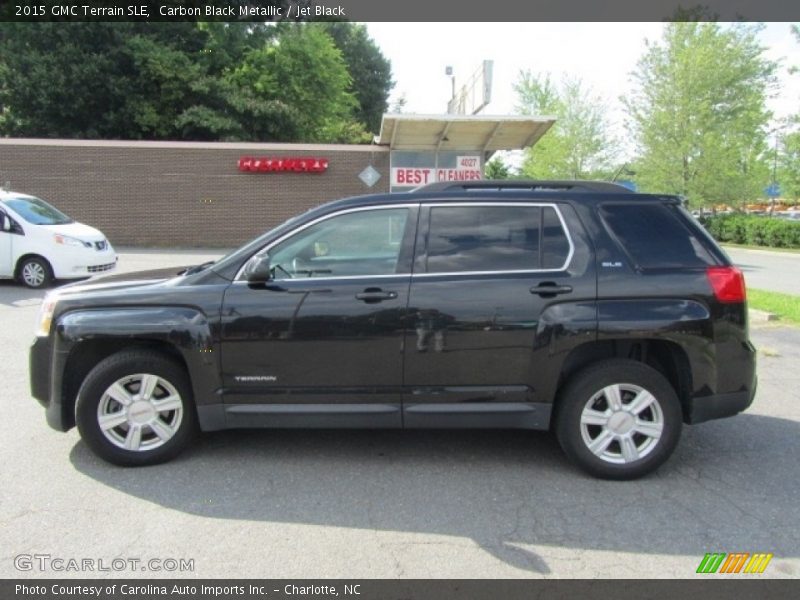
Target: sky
{"x": 601, "y": 54}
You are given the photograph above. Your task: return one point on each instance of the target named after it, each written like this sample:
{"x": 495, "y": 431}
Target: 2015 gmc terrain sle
{"x": 609, "y": 316}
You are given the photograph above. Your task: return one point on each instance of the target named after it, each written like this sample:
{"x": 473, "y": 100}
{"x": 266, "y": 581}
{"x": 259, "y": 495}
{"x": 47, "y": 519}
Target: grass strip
{"x": 786, "y": 306}
{"x": 770, "y": 248}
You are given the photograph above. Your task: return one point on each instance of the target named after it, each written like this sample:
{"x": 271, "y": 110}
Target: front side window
{"x": 11, "y": 224}
{"x": 37, "y": 212}
{"x": 361, "y": 243}
{"x": 495, "y": 238}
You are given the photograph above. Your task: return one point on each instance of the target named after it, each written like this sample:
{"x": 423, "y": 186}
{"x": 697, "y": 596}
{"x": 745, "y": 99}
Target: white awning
{"x": 484, "y": 133}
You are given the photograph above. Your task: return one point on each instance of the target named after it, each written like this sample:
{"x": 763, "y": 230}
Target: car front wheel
{"x": 135, "y": 408}
{"x": 35, "y": 273}
{"x": 618, "y": 419}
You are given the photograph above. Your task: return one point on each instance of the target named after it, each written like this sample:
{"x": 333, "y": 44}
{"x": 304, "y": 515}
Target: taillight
{"x": 727, "y": 283}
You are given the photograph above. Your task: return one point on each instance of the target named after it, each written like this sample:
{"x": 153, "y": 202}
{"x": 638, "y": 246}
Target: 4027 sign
{"x": 297, "y": 164}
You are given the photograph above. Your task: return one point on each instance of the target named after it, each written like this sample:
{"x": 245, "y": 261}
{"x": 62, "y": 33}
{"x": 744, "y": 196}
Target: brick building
{"x": 194, "y": 194}
{"x": 181, "y": 194}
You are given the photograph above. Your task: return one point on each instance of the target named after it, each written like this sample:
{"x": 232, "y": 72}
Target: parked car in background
{"x": 39, "y": 243}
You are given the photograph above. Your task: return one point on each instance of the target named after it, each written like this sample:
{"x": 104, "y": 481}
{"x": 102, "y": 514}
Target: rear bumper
{"x": 736, "y": 383}
{"x": 719, "y": 406}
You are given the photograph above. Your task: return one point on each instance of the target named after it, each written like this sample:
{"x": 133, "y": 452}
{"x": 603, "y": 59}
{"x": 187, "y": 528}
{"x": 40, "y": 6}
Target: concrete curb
{"x": 761, "y": 316}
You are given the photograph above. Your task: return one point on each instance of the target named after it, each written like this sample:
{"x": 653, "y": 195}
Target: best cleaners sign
{"x": 267, "y": 164}
{"x": 468, "y": 168}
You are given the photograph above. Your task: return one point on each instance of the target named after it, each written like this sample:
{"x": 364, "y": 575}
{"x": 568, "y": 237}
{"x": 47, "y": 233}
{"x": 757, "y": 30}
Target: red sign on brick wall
{"x": 298, "y": 164}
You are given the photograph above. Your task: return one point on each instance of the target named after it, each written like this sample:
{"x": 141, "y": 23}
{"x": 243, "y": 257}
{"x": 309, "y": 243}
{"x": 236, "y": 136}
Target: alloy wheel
{"x": 622, "y": 423}
{"x": 33, "y": 274}
{"x": 140, "y": 412}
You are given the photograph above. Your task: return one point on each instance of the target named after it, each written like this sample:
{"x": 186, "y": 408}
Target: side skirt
{"x": 473, "y": 415}
{"x": 477, "y": 415}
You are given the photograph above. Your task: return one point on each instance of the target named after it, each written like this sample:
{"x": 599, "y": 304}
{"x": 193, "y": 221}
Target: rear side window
{"x": 555, "y": 245}
{"x": 654, "y": 236}
{"x": 495, "y": 238}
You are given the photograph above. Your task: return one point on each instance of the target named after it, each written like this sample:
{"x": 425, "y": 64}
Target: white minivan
{"x": 39, "y": 243}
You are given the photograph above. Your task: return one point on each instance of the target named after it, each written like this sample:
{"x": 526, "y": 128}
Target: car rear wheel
{"x": 35, "y": 272}
{"x": 618, "y": 419}
{"x": 135, "y": 408}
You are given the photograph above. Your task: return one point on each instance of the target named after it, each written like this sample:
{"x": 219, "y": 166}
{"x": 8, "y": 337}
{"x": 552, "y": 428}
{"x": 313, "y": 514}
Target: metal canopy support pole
{"x": 491, "y": 136}
{"x": 439, "y": 143}
{"x": 443, "y": 135}
{"x": 532, "y": 137}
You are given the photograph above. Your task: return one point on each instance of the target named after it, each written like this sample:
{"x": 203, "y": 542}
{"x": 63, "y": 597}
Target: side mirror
{"x": 257, "y": 269}
{"x": 5, "y": 222}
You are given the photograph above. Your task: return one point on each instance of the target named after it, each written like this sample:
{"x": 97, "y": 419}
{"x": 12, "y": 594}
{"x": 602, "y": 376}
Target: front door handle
{"x": 373, "y": 295}
{"x": 548, "y": 289}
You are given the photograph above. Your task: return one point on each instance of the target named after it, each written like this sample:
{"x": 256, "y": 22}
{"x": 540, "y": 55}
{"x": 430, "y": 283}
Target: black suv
{"x": 608, "y": 316}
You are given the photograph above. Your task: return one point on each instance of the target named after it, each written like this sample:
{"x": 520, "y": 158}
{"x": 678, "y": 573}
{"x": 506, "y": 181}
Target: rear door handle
{"x": 550, "y": 289}
{"x": 373, "y": 295}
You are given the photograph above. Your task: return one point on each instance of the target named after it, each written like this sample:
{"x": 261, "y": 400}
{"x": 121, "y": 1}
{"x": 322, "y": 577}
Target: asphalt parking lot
{"x": 768, "y": 269}
{"x": 324, "y": 504}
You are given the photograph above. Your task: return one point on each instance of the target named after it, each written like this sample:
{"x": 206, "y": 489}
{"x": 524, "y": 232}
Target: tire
{"x": 136, "y": 431}
{"x": 35, "y": 272}
{"x": 623, "y": 443}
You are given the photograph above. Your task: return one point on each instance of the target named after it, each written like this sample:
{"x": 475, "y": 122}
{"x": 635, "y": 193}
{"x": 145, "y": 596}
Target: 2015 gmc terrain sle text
{"x": 610, "y": 317}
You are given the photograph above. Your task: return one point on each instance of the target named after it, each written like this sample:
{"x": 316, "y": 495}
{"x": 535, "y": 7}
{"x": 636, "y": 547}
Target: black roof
{"x": 525, "y": 185}
{"x": 488, "y": 190}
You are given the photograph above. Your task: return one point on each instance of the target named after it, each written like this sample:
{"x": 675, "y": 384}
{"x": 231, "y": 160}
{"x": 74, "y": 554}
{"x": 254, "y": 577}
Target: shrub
{"x": 754, "y": 230}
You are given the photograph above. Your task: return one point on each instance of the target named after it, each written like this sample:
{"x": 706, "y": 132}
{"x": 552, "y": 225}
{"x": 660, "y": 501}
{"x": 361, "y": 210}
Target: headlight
{"x": 70, "y": 241}
{"x": 46, "y": 315}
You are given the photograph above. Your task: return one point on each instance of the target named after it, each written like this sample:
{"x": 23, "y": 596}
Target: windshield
{"x": 37, "y": 212}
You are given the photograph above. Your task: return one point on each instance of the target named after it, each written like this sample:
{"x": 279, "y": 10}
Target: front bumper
{"x": 74, "y": 263}
{"x": 45, "y": 383}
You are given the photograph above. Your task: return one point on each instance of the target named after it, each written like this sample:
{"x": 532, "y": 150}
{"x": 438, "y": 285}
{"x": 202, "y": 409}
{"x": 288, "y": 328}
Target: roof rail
{"x": 525, "y": 185}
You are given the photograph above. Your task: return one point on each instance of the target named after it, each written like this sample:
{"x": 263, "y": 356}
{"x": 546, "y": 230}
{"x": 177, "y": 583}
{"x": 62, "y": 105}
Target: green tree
{"x": 579, "y": 145}
{"x": 296, "y": 87}
{"x": 497, "y": 169}
{"x": 789, "y": 157}
{"x": 96, "y": 80}
{"x": 182, "y": 80}
{"x": 164, "y": 77}
{"x": 789, "y": 167}
{"x": 5, "y": 112}
{"x": 698, "y": 113}
{"x": 208, "y": 113}
{"x": 371, "y": 72}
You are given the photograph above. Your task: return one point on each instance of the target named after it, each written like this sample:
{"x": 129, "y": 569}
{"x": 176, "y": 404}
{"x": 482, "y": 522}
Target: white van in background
{"x": 39, "y": 243}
